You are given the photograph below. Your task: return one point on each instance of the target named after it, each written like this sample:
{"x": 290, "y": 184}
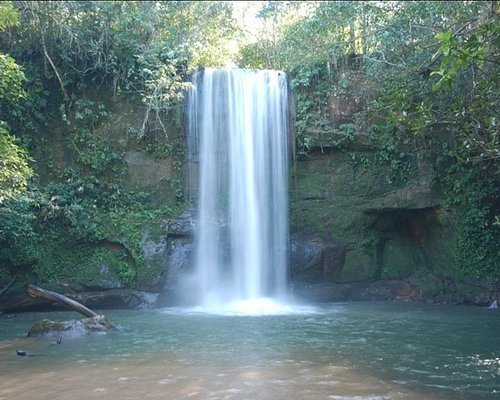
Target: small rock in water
{"x": 23, "y": 353}
{"x": 73, "y": 328}
{"x": 58, "y": 341}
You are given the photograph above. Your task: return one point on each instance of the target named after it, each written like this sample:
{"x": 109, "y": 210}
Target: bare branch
{"x": 384, "y": 61}
{"x": 46, "y": 53}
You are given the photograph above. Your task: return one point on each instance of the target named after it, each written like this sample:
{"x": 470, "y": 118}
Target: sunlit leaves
{"x": 11, "y": 80}
{"x": 15, "y": 171}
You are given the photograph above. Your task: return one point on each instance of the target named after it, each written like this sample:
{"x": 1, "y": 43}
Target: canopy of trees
{"x": 427, "y": 72}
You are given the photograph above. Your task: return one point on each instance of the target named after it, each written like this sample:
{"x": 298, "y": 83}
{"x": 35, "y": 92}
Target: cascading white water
{"x": 238, "y": 133}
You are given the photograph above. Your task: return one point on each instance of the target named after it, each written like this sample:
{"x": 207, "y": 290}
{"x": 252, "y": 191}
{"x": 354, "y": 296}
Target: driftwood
{"x": 66, "y": 302}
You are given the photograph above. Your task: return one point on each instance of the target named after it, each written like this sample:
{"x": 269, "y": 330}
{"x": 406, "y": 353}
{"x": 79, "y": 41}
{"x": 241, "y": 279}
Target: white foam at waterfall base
{"x": 261, "y": 306}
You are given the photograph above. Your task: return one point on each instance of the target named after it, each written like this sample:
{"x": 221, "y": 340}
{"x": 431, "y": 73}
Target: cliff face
{"x": 105, "y": 193}
{"x": 357, "y": 234}
{"x": 385, "y": 228}
{"x": 354, "y": 236}
{"x": 365, "y": 228}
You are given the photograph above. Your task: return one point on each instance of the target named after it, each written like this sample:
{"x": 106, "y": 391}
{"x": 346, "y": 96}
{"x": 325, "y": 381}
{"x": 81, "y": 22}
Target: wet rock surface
{"x": 72, "y": 328}
{"x": 19, "y": 301}
{"x": 356, "y": 291}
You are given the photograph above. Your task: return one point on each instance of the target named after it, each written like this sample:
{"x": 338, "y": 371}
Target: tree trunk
{"x": 66, "y": 302}
{"x": 8, "y": 286}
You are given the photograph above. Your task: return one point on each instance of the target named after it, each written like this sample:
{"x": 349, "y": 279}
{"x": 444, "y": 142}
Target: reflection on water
{"x": 337, "y": 351}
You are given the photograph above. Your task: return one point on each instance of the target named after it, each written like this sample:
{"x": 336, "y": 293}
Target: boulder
{"x": 179, "y": 258}
{"x": 72, "y": 328}
{"x": 184, "y": 225}
{"x": 354, "y": 291}
{"x": 154, "y": 253}
{"x": 476, "y": 291}
{"x": 316, "y": 260}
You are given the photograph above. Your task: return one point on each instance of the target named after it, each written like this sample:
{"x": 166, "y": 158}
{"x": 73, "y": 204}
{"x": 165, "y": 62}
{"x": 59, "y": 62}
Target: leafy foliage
{"x": 17, "y": 236}
{"x": 15, "y": 171}
{"x": 11, "y": 82}
{"x": 428, "y": 93}
{"x": 56, "y": 61}
{"x": 423, "y": 77}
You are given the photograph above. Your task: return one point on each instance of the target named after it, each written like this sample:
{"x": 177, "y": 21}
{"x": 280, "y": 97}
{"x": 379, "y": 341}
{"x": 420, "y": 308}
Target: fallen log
{"x": 34, "y": 291}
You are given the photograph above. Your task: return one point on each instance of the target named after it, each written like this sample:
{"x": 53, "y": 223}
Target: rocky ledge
{"x": 19, "y": 301}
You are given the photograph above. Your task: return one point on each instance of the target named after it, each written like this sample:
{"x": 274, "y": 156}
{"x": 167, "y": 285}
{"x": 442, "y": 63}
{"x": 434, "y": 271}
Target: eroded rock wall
{"x": 357, "y": 234}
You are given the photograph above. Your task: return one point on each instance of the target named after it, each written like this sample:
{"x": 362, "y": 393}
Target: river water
{"x": 337, "y": 351}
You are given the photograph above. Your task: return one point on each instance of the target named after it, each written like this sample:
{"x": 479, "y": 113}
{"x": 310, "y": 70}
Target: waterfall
{"x": 238, "y": 139}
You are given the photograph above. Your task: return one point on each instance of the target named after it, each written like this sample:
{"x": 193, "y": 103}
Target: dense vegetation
{"x": 424, "y": 77}
{"x": 65, "y": 68}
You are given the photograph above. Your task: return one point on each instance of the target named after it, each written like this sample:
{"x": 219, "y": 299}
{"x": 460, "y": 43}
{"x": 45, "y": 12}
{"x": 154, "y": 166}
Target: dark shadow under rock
{"x": 104, "y": 299}
{"x": 355, "y": 291}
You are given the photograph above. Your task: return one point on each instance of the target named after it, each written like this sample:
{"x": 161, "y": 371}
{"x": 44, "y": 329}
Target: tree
{"x": 61, "y": 65}
{"x": 15, "y": 171}
{"x": 426, "y": 73}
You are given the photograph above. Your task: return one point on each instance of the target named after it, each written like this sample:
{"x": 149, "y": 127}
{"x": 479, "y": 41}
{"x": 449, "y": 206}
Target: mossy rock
{"x": 72, "y": 328}
{"x": 427, "y": 284}
{"x": 359, "y": 263}
{"x": 91, "y": 265}
{"x": 400, "y": 259}
{"x": 472, "y": 291}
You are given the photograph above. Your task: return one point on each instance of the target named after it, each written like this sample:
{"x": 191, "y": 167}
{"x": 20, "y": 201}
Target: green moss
{"x": 400, "y": 259}
{"x": 68, "y": 261}
{"x": 46, "y": 326}
{"x": 128, "y": 225}
{"x": 115, "y": 246}
{"x": 427, "y": 284}
{"x": 359, "y": 262}
{"x": 440, "y": 244}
